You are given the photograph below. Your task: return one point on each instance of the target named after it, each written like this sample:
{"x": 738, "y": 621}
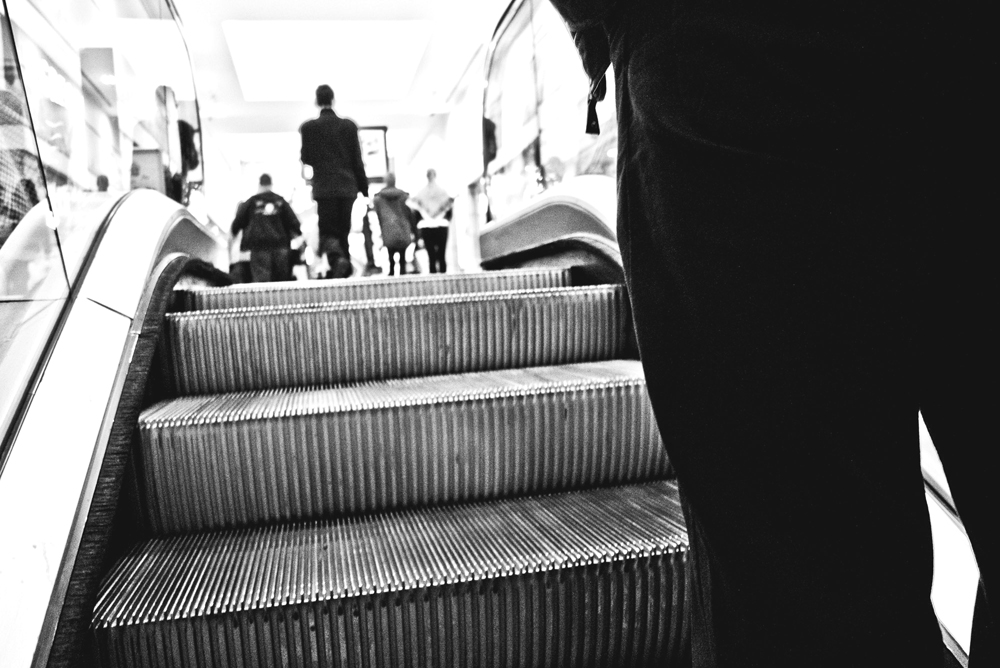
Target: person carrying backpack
{"x": 269, "y": 225}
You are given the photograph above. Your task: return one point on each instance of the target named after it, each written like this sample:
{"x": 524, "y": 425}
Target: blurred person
{"x": 801, "y": 225}
{"x": 434, "y": 205}
{"x": 330, "y": 146}
{"x": 394, "y": 218}
{"x": 102, "y": 183}
{"x": 269, "y": 227}
{"x": 366, "y": 231}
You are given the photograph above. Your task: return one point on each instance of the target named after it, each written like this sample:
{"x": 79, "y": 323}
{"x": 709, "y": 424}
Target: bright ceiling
{"x": 257, "y": 64}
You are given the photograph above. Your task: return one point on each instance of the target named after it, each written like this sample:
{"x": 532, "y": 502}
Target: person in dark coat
{"x": 269, "y": 225}
{"x": 802, "y": 233}
{"x": 394, "y": 219}
{"x": 330, "y": 146}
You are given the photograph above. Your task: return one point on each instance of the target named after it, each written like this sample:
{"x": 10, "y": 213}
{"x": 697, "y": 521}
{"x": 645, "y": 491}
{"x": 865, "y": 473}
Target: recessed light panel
{"x": 284, "y": 61}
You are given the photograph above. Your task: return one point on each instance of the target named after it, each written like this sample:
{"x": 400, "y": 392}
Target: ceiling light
{"x": 351, "y": 56}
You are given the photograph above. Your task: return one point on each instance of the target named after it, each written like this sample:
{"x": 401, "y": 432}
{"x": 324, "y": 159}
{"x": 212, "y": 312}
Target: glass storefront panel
{"x": 110, "y": 83}
{"x": 566, "y": 150}
{"x": 22, "y": 187}
{"x": 536, "y": 110}
{"x": 97, "y": 99}
{"x": 511, "y": 116}
{"x": 33, "y": 286}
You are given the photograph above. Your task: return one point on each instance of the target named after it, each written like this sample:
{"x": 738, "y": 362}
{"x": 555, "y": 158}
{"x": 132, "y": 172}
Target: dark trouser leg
{"x": 326, "y": 212}
{"x": 345, "y": 205}
{"x": 436, "y": 240}
{"x": 402, "y": 262}
{"x": 271, "y": 264}
{"x": 777, "y": 308}
{"x": 369, "y": 248}
{"x": 260, "y": 266}
{"x": 282, "y": 264}
{"x": 778, "y": 351}
{"x": 958, "y": 340}
{"x": 334, "y": 215}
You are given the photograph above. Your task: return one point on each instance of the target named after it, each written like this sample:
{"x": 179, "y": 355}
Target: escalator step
{"x": 294, "y": 346}
{"x": 397, "y": 443}
{"x": 336, "y": 290}
{"x": 591, "y": 578}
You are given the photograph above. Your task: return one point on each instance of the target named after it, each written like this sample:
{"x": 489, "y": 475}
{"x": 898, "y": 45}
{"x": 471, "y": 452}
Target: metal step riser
{"x": 318, "y": 292}
{"x": 628, "y": 613}
{"x": 228, "y": 351}
{"x": 293, "y": 467}
{"x": 206, "y": 574}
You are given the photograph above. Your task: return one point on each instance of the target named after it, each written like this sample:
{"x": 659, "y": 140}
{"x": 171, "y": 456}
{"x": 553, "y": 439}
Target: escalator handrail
{"x": 559, "y": 213}
{"x": 7, "y": 439}
{"x": 47, "y": 490}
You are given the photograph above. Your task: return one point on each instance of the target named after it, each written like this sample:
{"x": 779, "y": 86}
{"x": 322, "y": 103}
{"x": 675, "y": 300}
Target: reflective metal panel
{"x": 42, "y": 481}
{"x": 109, "y": 85}
{"x": 592, "y": 578}
{"x": 255, "y": 458}
{"x": 268, "y": 347}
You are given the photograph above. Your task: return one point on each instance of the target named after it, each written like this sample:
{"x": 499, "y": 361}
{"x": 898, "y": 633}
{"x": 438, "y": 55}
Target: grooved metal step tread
{"x": 259, "y": 457}
{"x": 294, "y": 346}
{"x": 582, "y": 578}
{"x": 384, "y": 287}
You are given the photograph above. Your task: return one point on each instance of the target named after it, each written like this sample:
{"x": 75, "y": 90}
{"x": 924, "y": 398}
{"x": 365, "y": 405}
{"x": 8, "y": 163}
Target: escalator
{"x": 425, "y": 471}
{"x": 434, "y": 470}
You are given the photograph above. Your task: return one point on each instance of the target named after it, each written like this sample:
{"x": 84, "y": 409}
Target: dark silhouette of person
{"x": 268, "y": 225}
{"x": 330, "y": 146}
{"x": 802, "y": 225}
{"x": 102, "y": 183}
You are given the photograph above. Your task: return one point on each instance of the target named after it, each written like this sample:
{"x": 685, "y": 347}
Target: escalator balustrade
{"x": 427, "y": 471}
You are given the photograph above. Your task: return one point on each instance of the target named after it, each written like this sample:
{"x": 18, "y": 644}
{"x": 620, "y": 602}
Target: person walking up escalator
{"x": 331, "y": 148}
{"x": 269, "y": 225}
{"x": 434, "y": 205}
{"x": 394, "y": 221}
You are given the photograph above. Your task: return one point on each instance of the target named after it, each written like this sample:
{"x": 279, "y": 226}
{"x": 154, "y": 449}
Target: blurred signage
{"x": 148, "y": 170}
{"x": 373, "y": 152}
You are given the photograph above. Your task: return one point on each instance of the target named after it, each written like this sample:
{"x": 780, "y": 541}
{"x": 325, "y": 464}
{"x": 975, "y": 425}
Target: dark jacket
{"x": 394, "y": 218}
{"x": 267, "y": 221}
{"x": 331, "y": 147}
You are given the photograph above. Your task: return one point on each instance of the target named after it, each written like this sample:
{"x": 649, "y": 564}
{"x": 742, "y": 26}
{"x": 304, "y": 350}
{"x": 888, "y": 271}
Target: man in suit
{"x": 330, "y": 146}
